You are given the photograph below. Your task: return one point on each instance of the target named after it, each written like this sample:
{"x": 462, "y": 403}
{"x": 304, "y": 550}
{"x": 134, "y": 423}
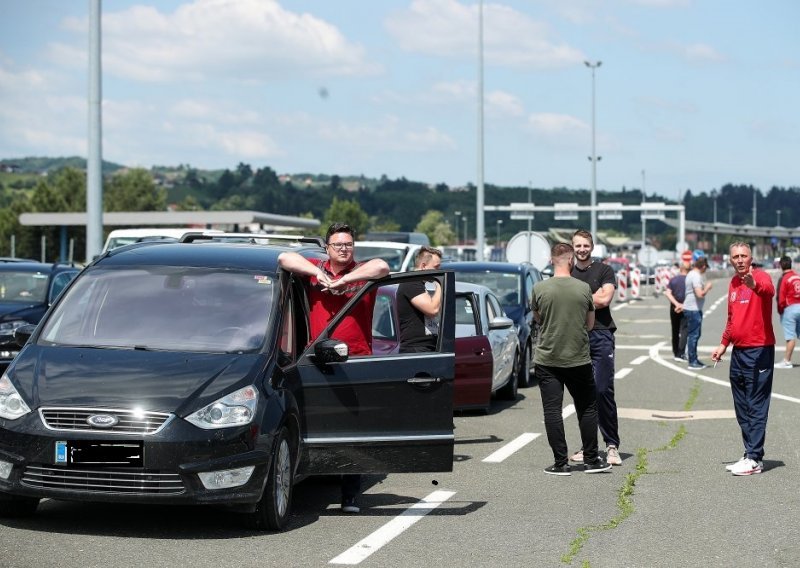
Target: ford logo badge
{"x": 102, "y": 420}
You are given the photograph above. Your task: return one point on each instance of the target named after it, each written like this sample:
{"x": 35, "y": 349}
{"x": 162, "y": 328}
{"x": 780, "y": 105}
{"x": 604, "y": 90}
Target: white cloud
{"x": 559, "y": 130}
{"x": 503, "y": 104}
{"x": 387, "y": 134}
{"x": 447, "y": 28}
{"x": 702, "y": 53}
{"x": 247, "y": 40}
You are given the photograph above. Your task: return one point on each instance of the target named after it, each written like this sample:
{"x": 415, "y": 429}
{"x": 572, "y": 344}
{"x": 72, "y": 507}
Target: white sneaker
{"x": 747, "y": 467}
{"x": 784, "y": 365}
{"x": 732, "y": 466}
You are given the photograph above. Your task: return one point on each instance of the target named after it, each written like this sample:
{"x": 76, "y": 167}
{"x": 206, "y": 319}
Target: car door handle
{"x": 480, "y": 352}
{"x": 423, "y": 380}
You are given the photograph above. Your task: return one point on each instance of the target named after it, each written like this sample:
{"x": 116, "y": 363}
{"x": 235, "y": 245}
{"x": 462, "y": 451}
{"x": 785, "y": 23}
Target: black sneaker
{"x": 598, "y": 466}
{"x": 558, "y": 469}
{"x": 349, "y": 505}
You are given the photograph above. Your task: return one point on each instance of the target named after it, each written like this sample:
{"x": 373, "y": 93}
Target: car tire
{"x": 12, "y": 506}
{"x": 524, "y": 373}
{"x": 275, "y": 506}
{"x": 509, "y": 390}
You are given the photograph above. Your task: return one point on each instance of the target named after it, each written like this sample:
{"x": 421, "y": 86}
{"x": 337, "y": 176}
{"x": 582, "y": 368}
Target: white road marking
{"x": 622, "y": 373}
{"x": 684, "y": 371}
{"x": 513, "y": 446}
{"x": 375, "y": 541}
{"x": 569, "y": 410}
{"x": 640, "y": 359}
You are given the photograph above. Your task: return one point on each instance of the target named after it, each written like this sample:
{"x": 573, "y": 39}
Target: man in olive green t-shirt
{"x": 564, "y": 309}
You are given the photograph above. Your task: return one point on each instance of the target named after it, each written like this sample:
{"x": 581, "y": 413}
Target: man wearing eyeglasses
{"x": 329, "y": 286}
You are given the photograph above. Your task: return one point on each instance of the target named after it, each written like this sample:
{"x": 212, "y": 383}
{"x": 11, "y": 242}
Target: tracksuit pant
{"x": 751, "y": 385}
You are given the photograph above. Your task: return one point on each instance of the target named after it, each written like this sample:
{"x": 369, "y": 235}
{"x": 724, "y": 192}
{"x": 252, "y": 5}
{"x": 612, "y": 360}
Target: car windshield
{"x": 164, "y": 308}
{"x": 23, "y": 287}
{"x": 506, "y": 286}
{"x": 393, "y": 256}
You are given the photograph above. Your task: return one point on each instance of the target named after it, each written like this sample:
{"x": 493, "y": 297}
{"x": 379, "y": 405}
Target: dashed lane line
{"x": 375, "y": 541}
{"x": 622, "y": 373}
{"x": 513, "y": 446}
{"x": 640, "y": 359}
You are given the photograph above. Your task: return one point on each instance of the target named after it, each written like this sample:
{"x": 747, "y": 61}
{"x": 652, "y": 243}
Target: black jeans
{"x": 579, "y": 381}
{"x": 678, "y": 324}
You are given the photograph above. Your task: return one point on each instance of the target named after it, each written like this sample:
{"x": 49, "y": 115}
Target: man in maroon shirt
{"x": 749, "y": 329}
{"x": 329, "y": 285}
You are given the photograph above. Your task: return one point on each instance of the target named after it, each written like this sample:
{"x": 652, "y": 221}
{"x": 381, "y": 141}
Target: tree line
{"x": 368, "y": 204}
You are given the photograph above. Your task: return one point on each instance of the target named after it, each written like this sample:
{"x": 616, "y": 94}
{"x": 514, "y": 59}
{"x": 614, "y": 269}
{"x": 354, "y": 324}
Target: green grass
{"x": 625, "y": 503}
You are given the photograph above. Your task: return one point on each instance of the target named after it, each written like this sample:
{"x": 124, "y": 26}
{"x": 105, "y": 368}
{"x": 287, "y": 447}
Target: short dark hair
{"x": 425, "y": 253}
{"x": 339, "y": 228}
{"x": 701, "y": 262}
{"x": 561, "y": 249}
{"x": 786, "y": 262}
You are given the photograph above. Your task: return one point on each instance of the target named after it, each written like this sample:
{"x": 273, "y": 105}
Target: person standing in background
{"x": 788, "y": 309}
{"x": 749, "y": 330}
{"x": 696, "y": 290}
{"x": 564, "y": 309}
{"x": 676, "y": 293}
{"x": 602, "y": 283}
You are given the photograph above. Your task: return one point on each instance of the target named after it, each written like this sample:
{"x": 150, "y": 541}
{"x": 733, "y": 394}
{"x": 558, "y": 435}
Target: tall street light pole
{"x": 778, "y": 211}
{"x": 456, "y": 226}
{"x": 594, "y": 157}
{"x": 644, "y": 216}
{"x": 714, "y": 195}
{"x": 754, "y": 208}
{"x": 479, "y": 226}
{"x": 499, "y": 222}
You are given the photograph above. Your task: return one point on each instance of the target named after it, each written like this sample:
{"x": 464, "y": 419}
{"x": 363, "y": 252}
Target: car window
{"x": 529, "y": 287}
{"x": 287, "y": 345}
{"x": 493, "y": 307}
{"x": 466, "y": 317}
{"x": 394, "y": 257}
{"x": 60, "y": 281}
{"x": 383, "y": 320}
{"x": 505, "y": 285}
{"x": 164, "y": 308}
{"x": 24, "y": 287}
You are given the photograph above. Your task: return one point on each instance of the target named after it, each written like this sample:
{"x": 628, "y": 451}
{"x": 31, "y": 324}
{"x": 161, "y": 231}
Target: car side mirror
{"x": 23, "y": 333}
{"x": 501, "y": 322}
{"x": 331, "y": 351}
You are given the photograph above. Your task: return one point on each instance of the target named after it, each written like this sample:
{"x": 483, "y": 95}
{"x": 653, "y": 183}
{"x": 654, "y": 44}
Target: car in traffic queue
{"x": 513, "y": 284}
{"x": 399, "y": 256}
{"x": 184, "y": 373}
{"x": 27, "y": 288}
{"x": 487, "y": 349}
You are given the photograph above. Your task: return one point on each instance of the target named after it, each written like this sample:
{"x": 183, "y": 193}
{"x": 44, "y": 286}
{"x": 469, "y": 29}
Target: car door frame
{"x": 380, "y": 413}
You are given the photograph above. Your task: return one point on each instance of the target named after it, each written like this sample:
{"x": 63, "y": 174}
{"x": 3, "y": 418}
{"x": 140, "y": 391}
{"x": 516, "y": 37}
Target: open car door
{"x": 379, "y": 413}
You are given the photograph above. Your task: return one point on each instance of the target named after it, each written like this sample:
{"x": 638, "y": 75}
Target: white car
{"x": 122, "y": 237}
{"x": 399, "y": 256}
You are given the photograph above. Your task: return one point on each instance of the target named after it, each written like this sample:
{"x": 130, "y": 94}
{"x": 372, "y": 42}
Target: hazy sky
{"x": 695, "y": 93}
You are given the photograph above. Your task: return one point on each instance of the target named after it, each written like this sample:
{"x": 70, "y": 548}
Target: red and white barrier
{"x": 636, "y": 279}
{"x": 663, "y": 275}
{"x": 622, "y": 285}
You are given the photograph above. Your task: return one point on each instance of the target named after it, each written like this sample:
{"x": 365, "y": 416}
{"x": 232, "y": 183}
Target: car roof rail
{"x": 254, "y": 238}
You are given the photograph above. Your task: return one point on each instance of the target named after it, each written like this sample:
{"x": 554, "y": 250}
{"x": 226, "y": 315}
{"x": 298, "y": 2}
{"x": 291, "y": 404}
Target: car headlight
{"x": 11, "y": 404}
{"x": 235, "y": 409}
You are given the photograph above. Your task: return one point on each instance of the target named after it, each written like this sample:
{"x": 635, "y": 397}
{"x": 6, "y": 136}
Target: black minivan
{"x": 183, "y": 373}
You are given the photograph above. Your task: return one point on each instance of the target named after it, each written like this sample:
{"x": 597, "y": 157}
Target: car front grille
{"x": 129, "y": 421}
{"x": 103, "y": 481}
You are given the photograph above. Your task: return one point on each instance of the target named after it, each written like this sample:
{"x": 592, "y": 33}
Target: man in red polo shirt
{"x": 329, "y": 286}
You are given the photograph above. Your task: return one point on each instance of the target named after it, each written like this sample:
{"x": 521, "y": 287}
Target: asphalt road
{"x": 671, "y": 503}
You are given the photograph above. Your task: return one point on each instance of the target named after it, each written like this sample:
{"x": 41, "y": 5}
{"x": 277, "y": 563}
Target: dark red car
{"x": 474, "y": 363}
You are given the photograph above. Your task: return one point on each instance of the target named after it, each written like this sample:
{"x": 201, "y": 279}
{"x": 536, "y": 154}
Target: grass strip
{"x": 625, "y": 496}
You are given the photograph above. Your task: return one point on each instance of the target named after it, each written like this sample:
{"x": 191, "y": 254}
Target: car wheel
{"x": 14, "y": 506}
{"x": 273, "y": 510}
{"x": 509, "y": 390}
{"x": 524, "y": 373}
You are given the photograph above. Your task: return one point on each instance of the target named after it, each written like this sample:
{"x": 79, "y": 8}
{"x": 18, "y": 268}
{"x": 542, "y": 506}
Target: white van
{"x": 121, "y": 237}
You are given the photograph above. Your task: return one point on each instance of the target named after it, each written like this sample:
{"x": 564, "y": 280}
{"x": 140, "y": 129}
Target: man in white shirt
{"x": 696, "y": 290}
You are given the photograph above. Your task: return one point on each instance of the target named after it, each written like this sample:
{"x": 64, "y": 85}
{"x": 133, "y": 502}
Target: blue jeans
{"x": 694, "y": 324}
